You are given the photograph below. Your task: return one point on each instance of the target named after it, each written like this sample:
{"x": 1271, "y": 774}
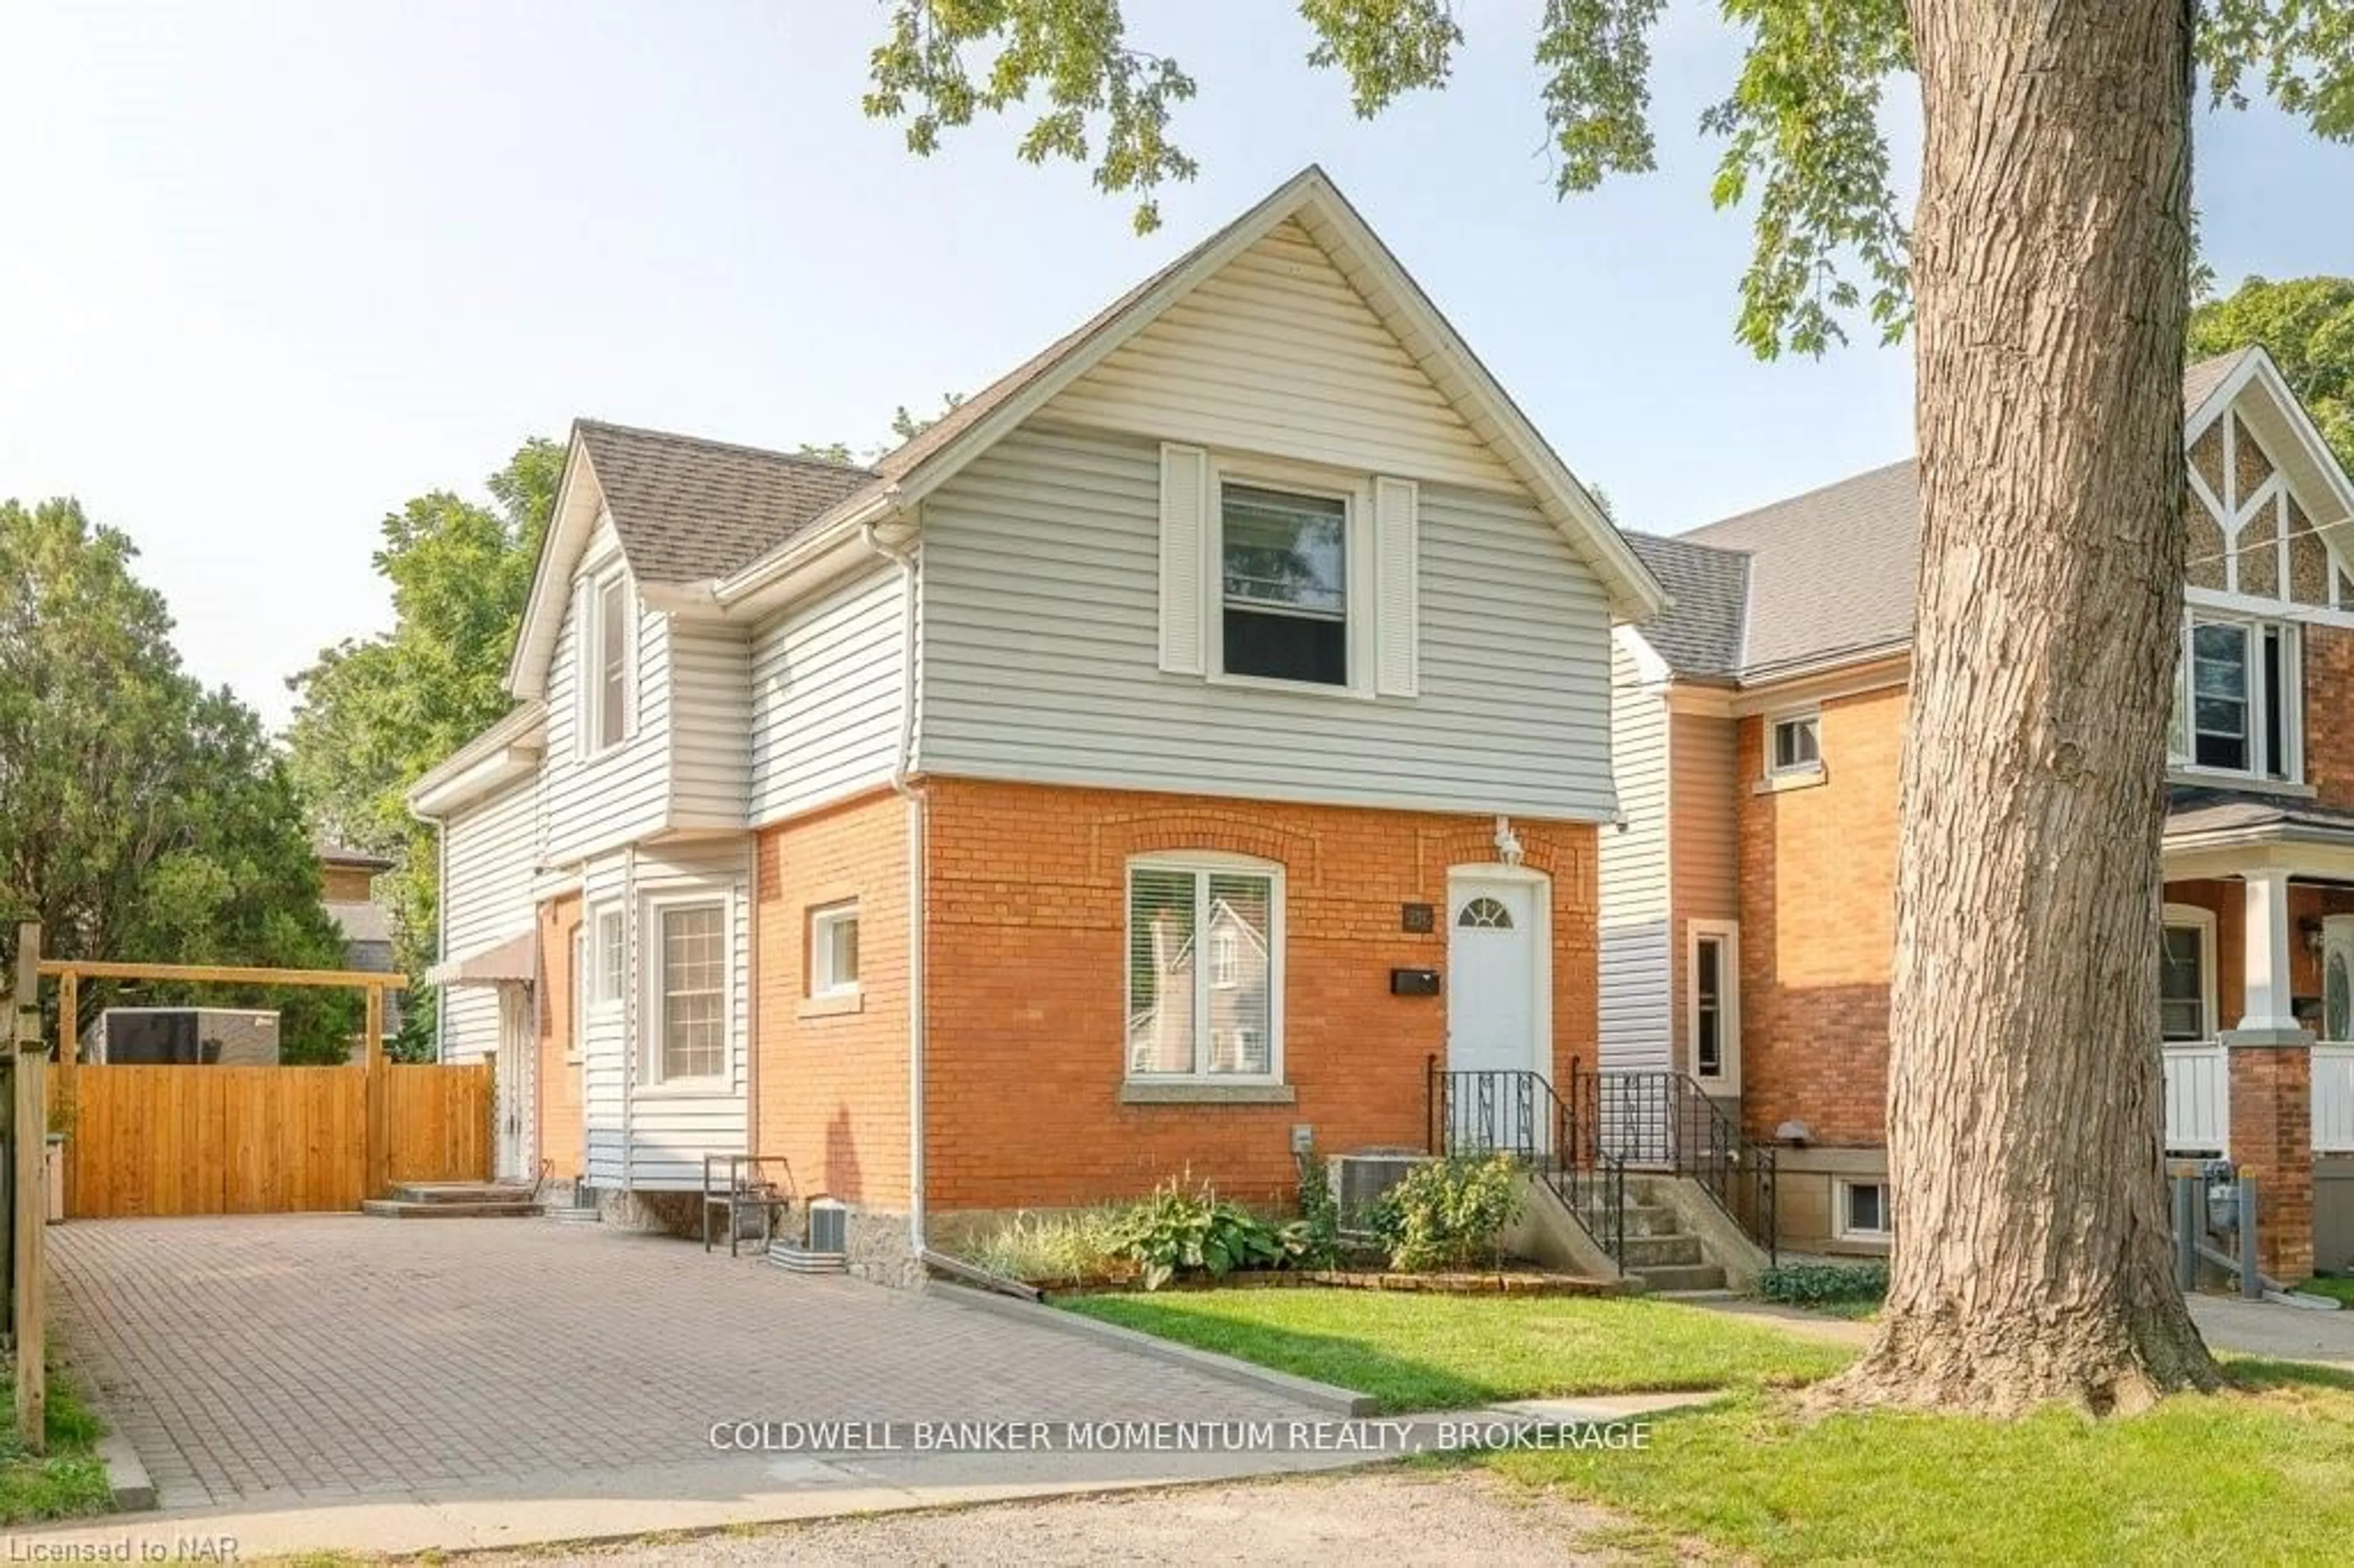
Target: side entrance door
{"x": 1498, "y": 1022}
{"x": 512, "y": 1086}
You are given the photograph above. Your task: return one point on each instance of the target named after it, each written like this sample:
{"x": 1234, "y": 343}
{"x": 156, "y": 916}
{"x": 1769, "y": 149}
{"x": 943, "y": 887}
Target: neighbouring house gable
{"x": 2266, "y": 505}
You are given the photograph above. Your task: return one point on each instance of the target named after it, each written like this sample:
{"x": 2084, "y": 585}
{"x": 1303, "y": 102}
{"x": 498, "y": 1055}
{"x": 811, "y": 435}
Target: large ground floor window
{"x": 1204, "y": 968}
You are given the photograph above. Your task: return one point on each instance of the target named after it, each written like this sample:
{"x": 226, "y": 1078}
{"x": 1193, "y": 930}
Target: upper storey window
{"x": 604, "y": 708}
{"x": 1284, "y": 564}
{"x": 2235, "y": 700}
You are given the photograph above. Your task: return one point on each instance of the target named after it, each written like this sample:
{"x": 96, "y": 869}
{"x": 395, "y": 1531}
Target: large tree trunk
{"x": 2051, "y": 279}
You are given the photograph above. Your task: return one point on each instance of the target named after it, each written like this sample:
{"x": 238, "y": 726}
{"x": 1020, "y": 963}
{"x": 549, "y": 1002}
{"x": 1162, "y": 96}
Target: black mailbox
{"x": 1414, "y": 982}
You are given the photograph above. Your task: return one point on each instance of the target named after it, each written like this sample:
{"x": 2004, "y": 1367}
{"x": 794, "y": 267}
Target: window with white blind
{"x": 833, "y": 950}
{"x": 609, "y": 964}
{"x": 606, "y": 663}
{"x": 1204, "y": 969}
{"x": 690, "y": 991}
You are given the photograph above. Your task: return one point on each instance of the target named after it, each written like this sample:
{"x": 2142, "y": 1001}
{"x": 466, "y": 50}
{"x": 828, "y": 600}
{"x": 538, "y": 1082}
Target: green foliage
{"x": 1320, "y": 1213}
{"x": 1068, "y": 1248}
{"x": 375, "y": 715}
{"x": 70, "y": 1481}
{"x": 1800, "y": 124}
{"x": 2308, "y": 327}
{"x": 143, "y": 817}
{"x": 1449, "y": 1213}
{"x": 1824, "y": 1284}
{"x": 1177, "y": 1232}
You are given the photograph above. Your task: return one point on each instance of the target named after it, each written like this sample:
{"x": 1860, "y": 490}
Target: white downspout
{"x": 904, "y": 556}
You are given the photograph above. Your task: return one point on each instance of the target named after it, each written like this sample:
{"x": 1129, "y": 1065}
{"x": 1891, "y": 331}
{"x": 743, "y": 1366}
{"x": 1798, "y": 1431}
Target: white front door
{"x": 513, "y": 1084}
{"x": 1496, "y": 1017}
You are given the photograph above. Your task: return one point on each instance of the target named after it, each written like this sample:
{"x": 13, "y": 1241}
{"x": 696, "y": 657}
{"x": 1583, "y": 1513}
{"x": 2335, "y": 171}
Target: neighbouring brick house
{"x": 1748, "y": 915}
{"x": 1044, "y": 811}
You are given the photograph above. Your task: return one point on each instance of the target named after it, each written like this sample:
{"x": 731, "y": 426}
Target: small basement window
{"x": 1797, "y": 744}
{"x": 833, "y": 950}
{"x": 1283, "y": 568}
{"x": 1862, "y": 1212}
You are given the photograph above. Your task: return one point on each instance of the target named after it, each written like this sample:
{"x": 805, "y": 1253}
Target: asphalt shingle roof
{"x": 689, "y": 509}
{"x": 1830, "y": 573}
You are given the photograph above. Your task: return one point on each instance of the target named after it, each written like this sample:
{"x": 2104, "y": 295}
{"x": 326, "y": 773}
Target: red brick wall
{"x": 2329, "y": 723}
{"x": 832, "y": 1081}
{"x": 562, "y": 1143}
{"x": 1817, "y": 918}
{"x": 2272, "y": 1141}
{"x": 1026, "y": 986}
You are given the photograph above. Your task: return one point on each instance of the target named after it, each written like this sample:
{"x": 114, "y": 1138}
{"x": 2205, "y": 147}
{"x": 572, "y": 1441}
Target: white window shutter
{"x": 1398, "y": 507}
{"x": 1184, "y": 531}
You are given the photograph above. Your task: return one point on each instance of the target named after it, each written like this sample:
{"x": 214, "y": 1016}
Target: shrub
{"x": 1067, "y": 1248}
{"x": 1449, "y": 1213}
{"x": 1320, "y": 1213}
{"x": 1176, "y": 1231}
{"x": 1824, "y": 1284}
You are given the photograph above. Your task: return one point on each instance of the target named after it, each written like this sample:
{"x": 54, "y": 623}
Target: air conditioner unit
{"x": 1362, "y": 1179}
{"x": 829, "y": 1226}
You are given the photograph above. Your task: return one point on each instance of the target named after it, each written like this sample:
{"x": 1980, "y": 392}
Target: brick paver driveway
{"x": 309, "y": 1358}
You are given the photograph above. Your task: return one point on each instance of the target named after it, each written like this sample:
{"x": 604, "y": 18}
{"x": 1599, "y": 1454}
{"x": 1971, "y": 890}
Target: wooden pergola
{"x": 26, "y": 1111}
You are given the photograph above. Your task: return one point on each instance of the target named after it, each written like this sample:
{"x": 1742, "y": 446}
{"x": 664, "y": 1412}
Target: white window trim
{"x": 1727, "y": 1079}
{"x": 820, "y": 982}
{"x": 1194, "y": 863}
{"x": 576, "y": 1044}
{"x": 608, "y": 991}
{"x": 2203, "y": 920}
{"x": 1840, "y": 1186}
{"x": 1774, "y": 722}
{"x": 590, "y": 675}
{"x": 1354, "y": 491}
{"x": 2254, "y": 776}
{"x": 651, "y": 1009}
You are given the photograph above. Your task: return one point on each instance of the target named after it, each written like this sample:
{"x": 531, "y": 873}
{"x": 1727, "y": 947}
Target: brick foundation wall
{"x": 560, "y": 1139}
{"x": 832, "y": 1077}
{"x": 1818, "y": 926}
{"x": 1026, "y": 986}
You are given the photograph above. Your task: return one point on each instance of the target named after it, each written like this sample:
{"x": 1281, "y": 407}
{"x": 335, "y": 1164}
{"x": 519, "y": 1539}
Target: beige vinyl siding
{"x": 711, "y": 725}
{"x": 605, "y": 1106}
{"x": 1277, "y": 354}
{"x": 1636, "y": 966}
{"x": 1041, "y": 653}
{"x": 640, "y": 1134}
{"x": 671, "y": 1130}
{"x": 594, "y": 802}
{"x": 488, "y": 855}
{"x": 1704, "y": 861}
{"x": 826, "y": 680}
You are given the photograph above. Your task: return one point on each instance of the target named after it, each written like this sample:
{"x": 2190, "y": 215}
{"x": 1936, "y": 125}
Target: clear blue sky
{"x": 272, "y": 268}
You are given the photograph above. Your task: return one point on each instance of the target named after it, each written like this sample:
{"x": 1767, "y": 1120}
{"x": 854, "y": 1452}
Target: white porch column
{"x": 2269, "y": 1007}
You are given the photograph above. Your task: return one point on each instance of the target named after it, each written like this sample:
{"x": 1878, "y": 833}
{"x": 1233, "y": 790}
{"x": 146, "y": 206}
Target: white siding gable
{"x": 597, "y": 800}
{"x": 1277, "y": 354}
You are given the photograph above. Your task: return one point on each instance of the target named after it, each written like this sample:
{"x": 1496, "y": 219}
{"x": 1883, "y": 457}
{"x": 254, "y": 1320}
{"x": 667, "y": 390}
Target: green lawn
{"x": 2257, "y": 1475}
{"x": 1443, "y": 1353}
{"x": 67, "y": 1484}
{"x": 2341, "y": 1286}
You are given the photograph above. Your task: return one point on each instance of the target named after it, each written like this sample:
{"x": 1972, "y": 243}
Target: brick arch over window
{"x": 1121, "y": 839}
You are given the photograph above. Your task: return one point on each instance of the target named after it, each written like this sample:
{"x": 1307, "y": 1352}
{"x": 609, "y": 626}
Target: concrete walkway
{"x": 2229, "y": 1323}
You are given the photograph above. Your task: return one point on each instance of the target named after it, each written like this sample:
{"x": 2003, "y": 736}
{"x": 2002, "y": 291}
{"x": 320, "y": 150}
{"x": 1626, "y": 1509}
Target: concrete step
{"x": 1660, "y": 1278}
{"x": 442, "y": 1209}
{"x": 460, "y": 1193}
{"x": 1642, "y": 1220}
{"x": 1646, "y": 1253}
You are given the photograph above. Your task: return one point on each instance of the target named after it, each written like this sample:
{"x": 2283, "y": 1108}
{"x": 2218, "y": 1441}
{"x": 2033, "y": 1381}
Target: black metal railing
{"x": 1518, "y": 1113}
{"x": 1668, "y": 1122}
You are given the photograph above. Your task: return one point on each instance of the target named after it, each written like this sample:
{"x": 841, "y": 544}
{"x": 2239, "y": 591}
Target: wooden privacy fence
{"x": 159, "y": 1141}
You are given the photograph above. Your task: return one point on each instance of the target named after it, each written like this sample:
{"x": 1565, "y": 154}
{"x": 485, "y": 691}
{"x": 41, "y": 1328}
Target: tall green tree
{"x": 2046, "y": 270}
{"x": 373, "y": 714}
{"x": 143, "y": 819}
{"x": 2308, "y": 325}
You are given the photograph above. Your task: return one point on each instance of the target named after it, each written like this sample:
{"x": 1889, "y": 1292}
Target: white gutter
{"x": 904, "y": 556}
